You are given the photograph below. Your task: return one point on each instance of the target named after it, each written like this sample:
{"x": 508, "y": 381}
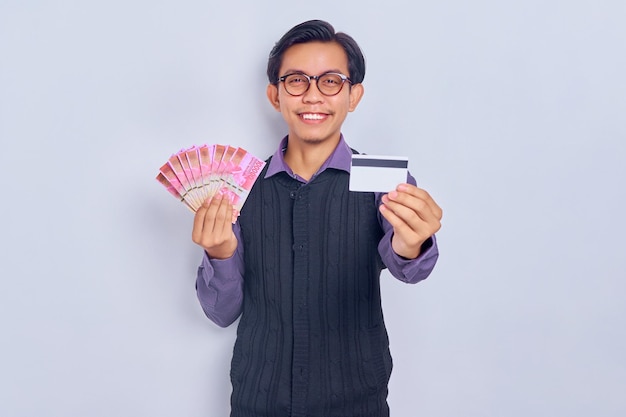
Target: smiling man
{"x": 301, "y": 266}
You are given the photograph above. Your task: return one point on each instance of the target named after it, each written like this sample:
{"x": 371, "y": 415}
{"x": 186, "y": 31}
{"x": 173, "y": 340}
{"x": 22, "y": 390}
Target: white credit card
{"x": 377, "y": 173}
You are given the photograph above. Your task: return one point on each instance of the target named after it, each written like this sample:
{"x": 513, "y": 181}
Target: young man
{"x": 302, "y": 263}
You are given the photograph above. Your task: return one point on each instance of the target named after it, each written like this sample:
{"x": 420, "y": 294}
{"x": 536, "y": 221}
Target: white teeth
{"x": 312, "y": 116}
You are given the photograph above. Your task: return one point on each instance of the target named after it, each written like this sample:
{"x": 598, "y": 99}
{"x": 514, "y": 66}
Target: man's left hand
{"x": 414, "y": 216}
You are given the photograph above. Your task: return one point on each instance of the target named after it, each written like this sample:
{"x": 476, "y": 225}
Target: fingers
{"x": 412, "y": 211}
{"x": 414, "y": 216}
{"x": 219, "y": 212}
{"x": 416, "y": 198}
{"x": 412, "y": 232}
{"x": 408, "y": 201}
{"x": 213, "y": 222}
{"x": 198, "y": 223}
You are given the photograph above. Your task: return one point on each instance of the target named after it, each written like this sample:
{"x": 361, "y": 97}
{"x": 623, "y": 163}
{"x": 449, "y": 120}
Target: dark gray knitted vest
{"x": 311, "y": 340}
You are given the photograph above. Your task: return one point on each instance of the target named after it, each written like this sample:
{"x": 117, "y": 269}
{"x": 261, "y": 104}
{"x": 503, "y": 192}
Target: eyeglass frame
{"x": 344, "y": 78}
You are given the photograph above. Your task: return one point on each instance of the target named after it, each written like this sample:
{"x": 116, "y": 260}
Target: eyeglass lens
{"x": 328, "y": 84}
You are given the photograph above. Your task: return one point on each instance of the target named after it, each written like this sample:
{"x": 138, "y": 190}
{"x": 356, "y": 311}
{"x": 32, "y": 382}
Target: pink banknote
{"x": 243, "y": 171}
{"x": 198, "y": 173}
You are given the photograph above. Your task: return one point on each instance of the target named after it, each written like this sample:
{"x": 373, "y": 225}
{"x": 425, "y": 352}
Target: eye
{"x": 331, "y": 80}
{"x": 296, "y": 79}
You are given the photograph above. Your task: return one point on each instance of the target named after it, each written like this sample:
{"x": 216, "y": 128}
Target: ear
{"x": 356, "y": 93}
{"x": 272, "y": 96}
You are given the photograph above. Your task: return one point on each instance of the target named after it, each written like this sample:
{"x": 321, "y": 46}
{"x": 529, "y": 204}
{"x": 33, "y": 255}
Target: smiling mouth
{"x": 313, "y": 116}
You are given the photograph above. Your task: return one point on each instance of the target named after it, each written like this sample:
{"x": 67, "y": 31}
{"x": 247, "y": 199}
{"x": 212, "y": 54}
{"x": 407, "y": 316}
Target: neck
{"x": 306, "y": 158}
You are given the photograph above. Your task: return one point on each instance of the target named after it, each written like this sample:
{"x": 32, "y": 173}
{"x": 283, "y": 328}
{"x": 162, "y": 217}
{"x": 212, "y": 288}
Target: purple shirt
{"x": 220, "y": 281}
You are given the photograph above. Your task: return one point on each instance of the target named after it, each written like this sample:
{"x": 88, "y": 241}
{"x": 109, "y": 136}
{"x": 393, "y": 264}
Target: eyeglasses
{"x": 329, "y": 84}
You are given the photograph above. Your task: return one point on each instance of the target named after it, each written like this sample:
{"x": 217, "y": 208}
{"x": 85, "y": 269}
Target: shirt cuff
{"x": 410, "y": 270}
{"x": 226, "y": 269}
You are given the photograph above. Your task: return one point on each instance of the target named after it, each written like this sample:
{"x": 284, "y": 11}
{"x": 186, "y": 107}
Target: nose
{"x": 313, "y": 94}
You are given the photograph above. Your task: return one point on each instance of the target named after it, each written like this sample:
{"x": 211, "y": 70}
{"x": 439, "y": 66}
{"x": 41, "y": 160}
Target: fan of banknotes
{"x": 195, "y": 174}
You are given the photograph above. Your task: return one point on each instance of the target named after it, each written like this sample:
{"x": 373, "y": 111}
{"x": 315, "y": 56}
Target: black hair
{"x": 317, "y": 31}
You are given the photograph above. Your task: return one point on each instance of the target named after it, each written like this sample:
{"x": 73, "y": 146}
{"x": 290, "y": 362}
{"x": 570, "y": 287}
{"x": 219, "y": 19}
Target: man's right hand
{"x": 213, "y": 228}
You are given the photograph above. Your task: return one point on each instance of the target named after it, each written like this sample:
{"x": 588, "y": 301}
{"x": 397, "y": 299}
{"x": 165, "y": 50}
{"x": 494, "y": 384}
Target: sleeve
{"x": 219, "y": 285}
{"x": 410, "y": 271}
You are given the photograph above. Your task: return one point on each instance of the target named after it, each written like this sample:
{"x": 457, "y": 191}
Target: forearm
{"x": 219, "y": 286}
{"x": 410, "y": 271}
{"x": 407, "y": 270}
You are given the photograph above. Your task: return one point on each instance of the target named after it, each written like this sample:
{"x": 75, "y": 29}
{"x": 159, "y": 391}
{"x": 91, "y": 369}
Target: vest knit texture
{"x": 311, "y": 340}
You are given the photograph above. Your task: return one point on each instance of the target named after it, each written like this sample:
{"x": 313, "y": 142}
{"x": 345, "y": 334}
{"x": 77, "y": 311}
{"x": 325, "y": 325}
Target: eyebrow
{"x": 291, "y": 71}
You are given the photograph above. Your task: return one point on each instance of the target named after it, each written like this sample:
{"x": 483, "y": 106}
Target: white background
{"x": 512, "y": 114}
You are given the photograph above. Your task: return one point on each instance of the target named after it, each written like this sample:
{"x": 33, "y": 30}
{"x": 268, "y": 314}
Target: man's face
{"x": 314, "y": 117}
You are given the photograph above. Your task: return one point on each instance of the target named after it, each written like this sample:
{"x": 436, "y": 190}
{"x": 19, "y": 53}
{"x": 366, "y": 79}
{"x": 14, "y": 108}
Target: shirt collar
{"x": 339, "y": 159}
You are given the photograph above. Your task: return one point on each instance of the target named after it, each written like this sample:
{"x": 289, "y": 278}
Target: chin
{"x": 312, "y": 138}
{"x": 312, "y": 141}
